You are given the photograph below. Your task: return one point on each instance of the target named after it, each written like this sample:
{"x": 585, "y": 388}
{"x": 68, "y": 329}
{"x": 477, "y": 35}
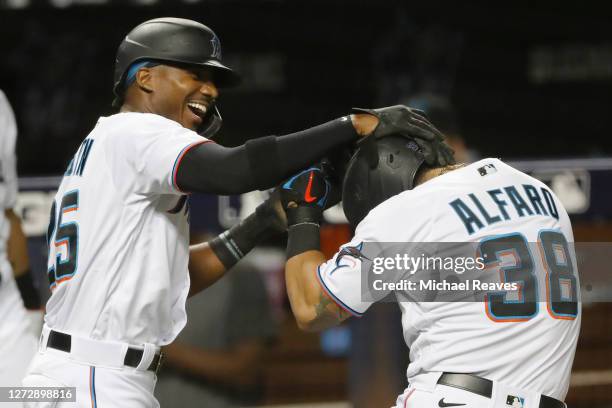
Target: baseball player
{"x": 120, "y": 268}
{"x": 504, "y": 351}
{"x": 19, "y": 299}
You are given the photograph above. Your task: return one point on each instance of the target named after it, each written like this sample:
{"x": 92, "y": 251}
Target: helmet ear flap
{"x": 212, "y": 124}
{"x": 379, "y": 169}
{"x": 356, "y": 188}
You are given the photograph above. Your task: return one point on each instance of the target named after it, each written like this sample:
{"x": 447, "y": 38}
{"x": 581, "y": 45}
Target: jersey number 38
{"x": 559, "y": 278}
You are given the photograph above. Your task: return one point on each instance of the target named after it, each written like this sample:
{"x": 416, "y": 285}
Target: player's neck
{"x": 135, "y": 102}
{"x": 131, "y": 107}
{"x": 430, "y": 173}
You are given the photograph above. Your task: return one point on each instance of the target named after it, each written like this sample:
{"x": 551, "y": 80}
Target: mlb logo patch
{"x": 515, "y": 402}
{"x": 413, "y": 146}
{"x": 487, "y": 169}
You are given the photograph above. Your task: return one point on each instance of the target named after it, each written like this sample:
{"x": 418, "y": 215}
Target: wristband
{"x": 303, "y": 237}
{"x": 232, "y": 245}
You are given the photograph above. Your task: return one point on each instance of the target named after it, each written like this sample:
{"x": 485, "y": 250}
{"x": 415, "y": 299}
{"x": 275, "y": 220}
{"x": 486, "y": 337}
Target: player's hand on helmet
{"x": 400, "y": 119}
{"x": 304, "y": 196}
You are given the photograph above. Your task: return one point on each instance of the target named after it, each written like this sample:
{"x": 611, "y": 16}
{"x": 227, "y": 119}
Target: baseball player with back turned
{"x": 503, "y": 351}
{"x": 19, "y": 299}
{"x": 120, "y": 268}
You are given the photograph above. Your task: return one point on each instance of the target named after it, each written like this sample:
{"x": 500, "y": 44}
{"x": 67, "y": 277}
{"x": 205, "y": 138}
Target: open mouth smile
{"x": 198, "y": 109}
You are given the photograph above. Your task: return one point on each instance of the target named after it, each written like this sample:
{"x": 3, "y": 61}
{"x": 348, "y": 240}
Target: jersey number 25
{"x": 63, "y": 240}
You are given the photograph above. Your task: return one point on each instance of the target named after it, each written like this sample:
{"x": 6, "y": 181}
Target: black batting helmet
{"x": 175, "y": 41}
{"x": 379, "y": 169}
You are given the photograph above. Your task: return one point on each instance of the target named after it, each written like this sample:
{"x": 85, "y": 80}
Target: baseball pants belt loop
{"x": 145, "y": 358}
{"x": 484, "y": 387}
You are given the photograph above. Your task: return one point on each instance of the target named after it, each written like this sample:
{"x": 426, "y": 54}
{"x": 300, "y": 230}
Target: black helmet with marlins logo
{"x": 174, "y": 41}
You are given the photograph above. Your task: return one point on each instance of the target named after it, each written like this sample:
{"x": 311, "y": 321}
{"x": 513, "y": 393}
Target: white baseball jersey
{"x": 528, "y": 346}
{"x": 17, "y": 344}
{"x": 119, "y": 234}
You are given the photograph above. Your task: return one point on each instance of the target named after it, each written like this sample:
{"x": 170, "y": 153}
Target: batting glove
{"x": 304, "y": 196}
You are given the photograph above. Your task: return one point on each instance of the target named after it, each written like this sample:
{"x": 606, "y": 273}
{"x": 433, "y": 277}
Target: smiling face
{"x": 183, "y": 95}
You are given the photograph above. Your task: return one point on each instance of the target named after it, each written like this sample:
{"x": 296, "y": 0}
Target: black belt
{"x": 133, "y": 356}
{"x": 484, "y": 387}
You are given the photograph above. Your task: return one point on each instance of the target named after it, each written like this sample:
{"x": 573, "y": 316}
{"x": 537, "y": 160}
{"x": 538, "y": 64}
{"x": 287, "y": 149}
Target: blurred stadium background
{"x": 529, "y": 84}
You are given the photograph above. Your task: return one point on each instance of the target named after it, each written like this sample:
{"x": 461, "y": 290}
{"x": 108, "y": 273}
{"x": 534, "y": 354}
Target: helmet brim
{"x": 223, "y": 76}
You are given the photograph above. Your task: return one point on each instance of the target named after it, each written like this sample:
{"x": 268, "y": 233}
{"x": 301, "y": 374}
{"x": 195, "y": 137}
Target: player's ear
{"x": 144, "y": 79}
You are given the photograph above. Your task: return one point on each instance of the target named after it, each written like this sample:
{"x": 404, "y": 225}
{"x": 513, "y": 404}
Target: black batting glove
{"x": 413, "y": 123}
{"x": 304, "y": 196}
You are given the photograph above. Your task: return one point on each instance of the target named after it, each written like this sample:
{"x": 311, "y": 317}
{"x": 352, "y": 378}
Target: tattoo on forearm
{"x": 322, "y": 305}
{"x": 327, "y": 309}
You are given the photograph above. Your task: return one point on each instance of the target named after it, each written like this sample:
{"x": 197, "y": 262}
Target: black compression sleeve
{"x": 301, "y": 149}
{"x": 210, "y": 168}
